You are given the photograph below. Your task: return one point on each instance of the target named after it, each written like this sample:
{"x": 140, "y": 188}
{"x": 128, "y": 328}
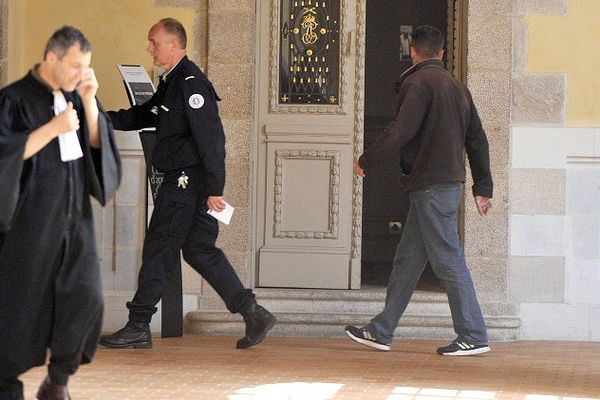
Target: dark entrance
{"x": 385, "y": 206}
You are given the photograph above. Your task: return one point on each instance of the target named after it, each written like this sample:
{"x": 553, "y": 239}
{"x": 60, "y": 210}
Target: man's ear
{"x": 441, "y": 55}
{"x": 50, "y": 56}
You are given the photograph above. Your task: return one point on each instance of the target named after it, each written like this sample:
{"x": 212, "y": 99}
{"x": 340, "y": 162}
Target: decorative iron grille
{"x": 309, "y": 55}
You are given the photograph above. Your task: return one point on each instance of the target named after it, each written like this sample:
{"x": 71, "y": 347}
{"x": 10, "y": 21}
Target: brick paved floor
{"x": 196, "y": 367}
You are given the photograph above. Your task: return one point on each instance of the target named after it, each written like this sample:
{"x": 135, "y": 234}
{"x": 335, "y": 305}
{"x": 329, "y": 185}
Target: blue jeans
{"x": 431, "y": 233}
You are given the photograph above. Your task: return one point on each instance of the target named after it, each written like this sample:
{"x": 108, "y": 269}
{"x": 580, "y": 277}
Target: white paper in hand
{"x": 223, "y": 216}
{"x": 70, "y": 148}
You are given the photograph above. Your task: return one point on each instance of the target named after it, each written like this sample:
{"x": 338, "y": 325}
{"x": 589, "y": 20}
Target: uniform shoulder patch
{"x": 196, "y": 101}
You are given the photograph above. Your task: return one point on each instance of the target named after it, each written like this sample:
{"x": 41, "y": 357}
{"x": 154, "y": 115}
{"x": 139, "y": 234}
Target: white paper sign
{"x": 225, "y": 215}
{"x": 139, "y": 86}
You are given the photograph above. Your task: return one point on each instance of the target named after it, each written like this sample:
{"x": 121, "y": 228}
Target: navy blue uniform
{"x": 190, "y": 144}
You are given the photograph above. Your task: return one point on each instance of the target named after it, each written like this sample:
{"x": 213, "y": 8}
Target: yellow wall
{"x": 118, "y": 31}
{"x": 569, "y": 44}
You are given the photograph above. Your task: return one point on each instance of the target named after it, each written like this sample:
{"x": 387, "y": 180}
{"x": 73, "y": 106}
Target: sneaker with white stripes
{"x": 461, "y": 348}
{"x": 363, "y": 336}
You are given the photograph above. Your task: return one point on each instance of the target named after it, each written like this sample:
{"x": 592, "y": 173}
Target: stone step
{"x": 365, "y": 301}
{"x": 325, "y": 313}
{"x": 332, "y": 325}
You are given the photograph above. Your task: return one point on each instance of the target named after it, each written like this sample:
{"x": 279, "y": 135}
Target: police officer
{"x": 190, "y": 150}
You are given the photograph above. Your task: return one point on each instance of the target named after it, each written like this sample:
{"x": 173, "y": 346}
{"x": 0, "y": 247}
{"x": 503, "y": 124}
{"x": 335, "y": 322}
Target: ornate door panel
{"x": 309, "y": 114}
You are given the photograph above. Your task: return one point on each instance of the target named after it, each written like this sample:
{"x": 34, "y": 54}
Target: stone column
{"x": 3, "y": 42}
{"x": 230, "y": 67}
{"x": 489, "y": 78}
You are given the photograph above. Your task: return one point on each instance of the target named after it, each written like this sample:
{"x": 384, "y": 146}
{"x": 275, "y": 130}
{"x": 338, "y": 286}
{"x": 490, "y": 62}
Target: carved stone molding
{"x": 334, "y": 194}
{"x": 359, "y": 111}
{"x": 274, "y": 106}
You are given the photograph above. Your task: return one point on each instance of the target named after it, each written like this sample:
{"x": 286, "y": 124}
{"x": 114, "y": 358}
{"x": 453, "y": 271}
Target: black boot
{"x": 52, "y": 391}
{"x": 134, "y": 334}
{"x": 11, "y": 389}
{"x": 258, "y": 322}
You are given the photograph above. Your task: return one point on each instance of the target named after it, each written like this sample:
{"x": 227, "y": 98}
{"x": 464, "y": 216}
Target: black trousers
{"x": 180, "y": 222}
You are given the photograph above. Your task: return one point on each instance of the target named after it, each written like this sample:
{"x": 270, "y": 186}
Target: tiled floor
{"x": 196, "y": 367}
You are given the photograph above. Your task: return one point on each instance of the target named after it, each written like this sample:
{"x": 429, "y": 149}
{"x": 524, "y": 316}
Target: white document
{"x": 223, "y": 216}
{"x": 139, "y": 85}
{"x": 70, "y": 148}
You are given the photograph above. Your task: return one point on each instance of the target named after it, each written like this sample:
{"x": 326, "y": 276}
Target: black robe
{"x": 50, "y": 289}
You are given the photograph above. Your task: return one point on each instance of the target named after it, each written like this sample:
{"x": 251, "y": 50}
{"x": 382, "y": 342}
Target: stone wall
{"x": 554, "y": 272}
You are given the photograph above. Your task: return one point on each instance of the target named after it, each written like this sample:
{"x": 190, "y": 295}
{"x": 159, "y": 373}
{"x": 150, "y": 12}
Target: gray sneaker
{"x": 363, "y": 336}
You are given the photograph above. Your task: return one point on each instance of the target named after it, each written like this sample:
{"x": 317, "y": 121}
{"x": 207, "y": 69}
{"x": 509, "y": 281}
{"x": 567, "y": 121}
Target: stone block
{"x": 486, "y": 7}
{"x": 232, "y": 5}
{"x": 107, "y": 275}
{"x": 499, "y": 309}
{"x": 98, "y": 213}
{"x": 584, "y": 235}
{"x": 519, "y": 44}
{"x": 239, "y": 137}
{"x": 594, "y": 318}
{"x": 129, "y": 227}
{"x": 210, "y": 300}
{"x": 193, "y": 4}
{"x": 107, "y": 224}
{"x": 3, "y": 73}
{"x": 526, "y": 273}
{"x": 539, "y": 99}
{"x": 485, "y": 236}
{"x": 237, "y": 100}
{"x": 128, "y": 263}
{"x": 537, "y": 235}
{"x": 492, "y": 96}
{"x": 541, "y": 7}
{"x": 537, "y": 191}
{"x": 231, "y": 38}
{"x": 240, "y": 260}
{"x": 583, "y": 181}
{"x": 235, "y": 236}
{"x": 191, "y": 279}
{"x": 542, "y": 321}
{"x": 237, "y": 188}
{"x": 490, "y": 278}
{"x": 583, "y": 281}
{"x": 133, "y": 185}
{"x": 489, "y": 42}
{"x": 549, "y": 147}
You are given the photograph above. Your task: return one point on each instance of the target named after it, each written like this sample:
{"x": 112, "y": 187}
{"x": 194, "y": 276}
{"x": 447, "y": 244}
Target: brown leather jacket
{"x": 436, "y": 121}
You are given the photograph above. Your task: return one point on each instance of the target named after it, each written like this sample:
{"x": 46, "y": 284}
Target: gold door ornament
{"x": 309, "y": 52}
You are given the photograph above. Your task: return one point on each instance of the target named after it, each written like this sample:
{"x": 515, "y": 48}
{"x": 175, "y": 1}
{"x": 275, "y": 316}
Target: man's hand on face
{"x": 88, "y": 86}
{"x": 215, "y": 203}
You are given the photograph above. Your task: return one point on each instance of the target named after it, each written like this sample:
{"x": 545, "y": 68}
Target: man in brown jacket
{"x": 436, "y": 122}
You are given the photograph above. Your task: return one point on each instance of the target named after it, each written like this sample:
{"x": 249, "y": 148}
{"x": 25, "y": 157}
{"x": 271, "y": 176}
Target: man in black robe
{"x": 56, "y": 149}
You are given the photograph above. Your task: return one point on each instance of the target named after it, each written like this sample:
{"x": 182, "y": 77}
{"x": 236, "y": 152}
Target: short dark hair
{"x": 174, "y": 27}
{"x": 427, "y": 41}
{"x": 67, "y": 36}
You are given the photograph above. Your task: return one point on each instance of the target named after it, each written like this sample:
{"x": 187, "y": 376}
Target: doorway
{"x": 389, "y": 25}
